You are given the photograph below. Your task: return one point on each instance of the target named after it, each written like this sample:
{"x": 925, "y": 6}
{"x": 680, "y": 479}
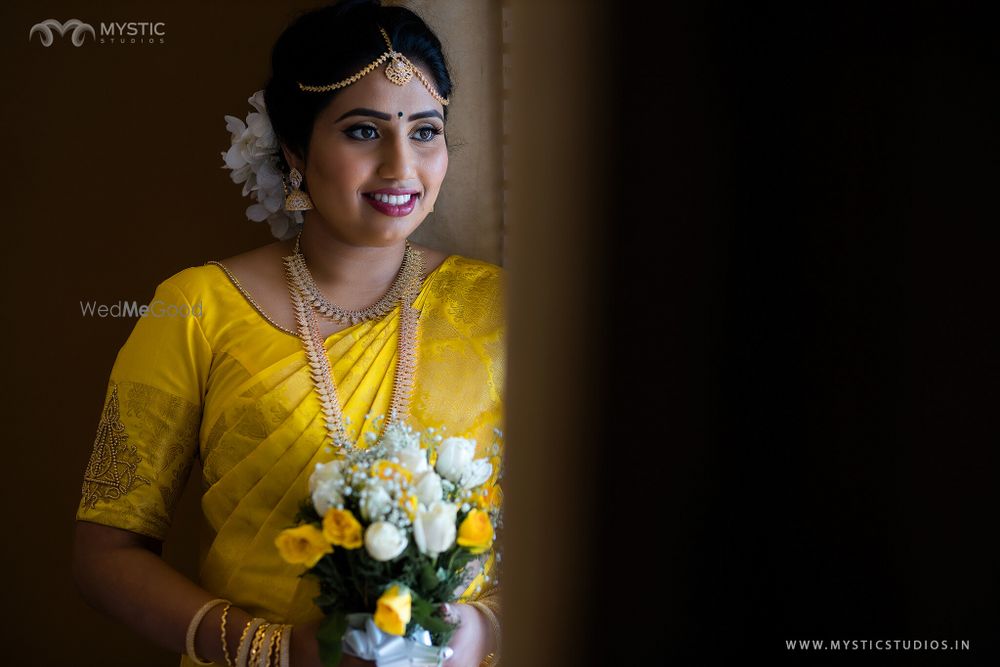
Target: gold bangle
{"x": 266, "y": 643}
{"x": 222, "y": 631}
{"x": 249, "y": 632}
{"x": 258, "y": 638}
{"x": 272, "y": 648}
{"x": 193, "y": 630}
{"x": 286, "y": 647}
{"x": 494, "y": 657}
{"x": 273, "y": 652}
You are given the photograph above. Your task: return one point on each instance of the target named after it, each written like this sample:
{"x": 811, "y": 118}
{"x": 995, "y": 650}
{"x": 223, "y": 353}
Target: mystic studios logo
{"x": 129, "y": 32}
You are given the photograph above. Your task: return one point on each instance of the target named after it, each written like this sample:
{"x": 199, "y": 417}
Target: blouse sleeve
{"x": 147, "y": 435}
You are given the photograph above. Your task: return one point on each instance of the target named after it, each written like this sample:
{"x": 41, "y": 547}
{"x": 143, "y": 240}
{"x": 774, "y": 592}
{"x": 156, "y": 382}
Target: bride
{"x": 363, "y": 153}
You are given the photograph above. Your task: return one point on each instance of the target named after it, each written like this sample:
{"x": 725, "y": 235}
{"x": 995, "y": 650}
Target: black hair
{"x": 332, "y": 43}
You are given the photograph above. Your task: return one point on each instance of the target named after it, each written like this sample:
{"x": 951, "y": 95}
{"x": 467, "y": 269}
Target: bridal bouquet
{"x": 392, "y": 532}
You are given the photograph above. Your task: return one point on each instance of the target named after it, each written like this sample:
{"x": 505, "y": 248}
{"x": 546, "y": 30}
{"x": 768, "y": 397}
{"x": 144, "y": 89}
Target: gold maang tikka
{"x": 399, "y": 70}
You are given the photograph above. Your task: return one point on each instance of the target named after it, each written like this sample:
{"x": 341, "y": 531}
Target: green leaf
{"x": 436, "y": 624}
{"x": 420, "y": 608}
{"x": 329, "y": 635}
{"x": 425, "y": 614}
{"x": 428, "y": 578}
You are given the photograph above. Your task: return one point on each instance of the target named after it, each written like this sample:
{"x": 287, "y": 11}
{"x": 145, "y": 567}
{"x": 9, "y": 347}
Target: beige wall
{"x": 468, "y": 218}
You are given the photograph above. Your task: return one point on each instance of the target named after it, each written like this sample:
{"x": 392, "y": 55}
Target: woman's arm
{"x": 122, "y": 574}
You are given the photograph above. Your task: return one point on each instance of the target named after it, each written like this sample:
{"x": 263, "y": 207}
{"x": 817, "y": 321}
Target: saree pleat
{"x": 259, "y": 496}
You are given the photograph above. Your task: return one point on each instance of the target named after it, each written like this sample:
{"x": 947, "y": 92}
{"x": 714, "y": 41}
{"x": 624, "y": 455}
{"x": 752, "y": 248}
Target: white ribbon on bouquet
{"x": 365, "y": 640}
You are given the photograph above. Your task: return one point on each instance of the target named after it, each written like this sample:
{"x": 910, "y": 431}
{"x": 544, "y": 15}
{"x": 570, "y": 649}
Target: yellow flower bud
{"x": 479, "y": 498}
{"x": 387, "y": 470}
{"x": 476, "y": 532}
{"x": 392, "y": 611}
{"x": 487, "y": 497}
{"x": 342, "y": 529}
{"x": 410, "y": 503}
{"x": 303, "y": 544}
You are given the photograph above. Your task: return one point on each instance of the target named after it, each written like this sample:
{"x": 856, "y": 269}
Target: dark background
{"x": 753, "y": 342}
{"x": 802, "y": 333}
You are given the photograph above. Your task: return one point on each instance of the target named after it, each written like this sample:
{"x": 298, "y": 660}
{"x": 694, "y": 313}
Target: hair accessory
{"x": 253, "y": 159}
{"x": 399, "y": 70}
{"x": 296, "y": 200}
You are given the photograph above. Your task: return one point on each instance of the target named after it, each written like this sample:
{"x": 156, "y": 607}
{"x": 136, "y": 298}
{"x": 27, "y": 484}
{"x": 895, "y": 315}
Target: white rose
{"x": 454, "y": 456}
{"x": 476, "y": 473}
{"x": 326, "y": 496}
{"x": 414, "y": 459}
{"x": 325, "y": 484}
{"x": 326, "y": 472}
{"x": 434, "y": 529}
{"x": 375, "y": 502}
{"x": 429, "y": 488}
{"x": 384, "y": 541}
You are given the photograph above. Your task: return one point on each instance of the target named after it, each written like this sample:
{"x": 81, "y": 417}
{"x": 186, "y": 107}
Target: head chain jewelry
{"x": 399, "y": 70}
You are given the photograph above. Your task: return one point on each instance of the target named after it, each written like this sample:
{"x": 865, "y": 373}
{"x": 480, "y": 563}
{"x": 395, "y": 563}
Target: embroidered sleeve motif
{"x": 111, "y": 472}
{"x": 146, "y": 444}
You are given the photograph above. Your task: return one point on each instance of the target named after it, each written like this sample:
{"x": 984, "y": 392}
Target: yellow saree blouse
{"x": 205, "y": 373}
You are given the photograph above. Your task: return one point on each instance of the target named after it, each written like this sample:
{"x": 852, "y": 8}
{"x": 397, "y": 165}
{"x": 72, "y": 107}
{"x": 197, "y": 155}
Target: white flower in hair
{"x": 253, "y": 159}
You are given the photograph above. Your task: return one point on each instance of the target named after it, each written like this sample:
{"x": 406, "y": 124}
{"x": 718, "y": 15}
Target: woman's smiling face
{"x": 375, "y": 140}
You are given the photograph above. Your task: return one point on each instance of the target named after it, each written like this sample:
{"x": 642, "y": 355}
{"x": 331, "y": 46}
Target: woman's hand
{"x": 470, "y": 642}
{"x": 472, "y": 639}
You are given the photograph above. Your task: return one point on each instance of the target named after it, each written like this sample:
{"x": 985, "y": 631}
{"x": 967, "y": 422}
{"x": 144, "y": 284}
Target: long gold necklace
{"x": 306, "y": 309}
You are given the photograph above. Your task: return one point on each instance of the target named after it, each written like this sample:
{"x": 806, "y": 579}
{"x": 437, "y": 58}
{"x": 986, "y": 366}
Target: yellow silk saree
{"x": 207, "y": 374}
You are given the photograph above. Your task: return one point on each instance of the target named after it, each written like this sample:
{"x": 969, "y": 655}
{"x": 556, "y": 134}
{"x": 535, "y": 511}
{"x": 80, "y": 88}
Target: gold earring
{"x": 296, "y": 200}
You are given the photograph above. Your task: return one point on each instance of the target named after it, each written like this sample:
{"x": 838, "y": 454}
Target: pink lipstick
{"x": 395, "y": 202}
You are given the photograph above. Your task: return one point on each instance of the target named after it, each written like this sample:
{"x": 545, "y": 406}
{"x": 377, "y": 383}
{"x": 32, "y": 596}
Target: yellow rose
{"x": 476, "y": 532}
{"x": 303, "y": 544}
{"x": 342, "y": 529}
{"x": 392, "y": 611}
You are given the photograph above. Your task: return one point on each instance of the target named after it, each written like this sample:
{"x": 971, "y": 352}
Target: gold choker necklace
{"x": 322, "y": 375}
{"x": 408, "y": 271}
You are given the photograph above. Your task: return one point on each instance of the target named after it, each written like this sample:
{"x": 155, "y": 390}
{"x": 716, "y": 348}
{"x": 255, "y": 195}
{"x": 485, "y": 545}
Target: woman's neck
{"x": 348, "y": 275}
